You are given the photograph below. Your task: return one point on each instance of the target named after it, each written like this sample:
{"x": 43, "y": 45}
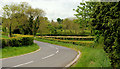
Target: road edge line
{"x": 22, "y": 54}
{"x": 72, "y": 62}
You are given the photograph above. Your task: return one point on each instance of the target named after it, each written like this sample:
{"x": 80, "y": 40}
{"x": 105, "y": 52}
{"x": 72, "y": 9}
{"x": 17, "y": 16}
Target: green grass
{"x": 15, "y": 51}
{"x": 90, "y": 57}
{"x": 3, "y": 36}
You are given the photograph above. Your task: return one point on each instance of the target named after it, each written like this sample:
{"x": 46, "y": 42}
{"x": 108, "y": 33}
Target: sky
{"x": 54, "y": 8}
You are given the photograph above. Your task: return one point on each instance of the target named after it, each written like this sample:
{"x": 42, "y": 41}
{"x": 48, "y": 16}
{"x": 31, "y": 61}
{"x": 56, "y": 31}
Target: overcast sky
{"x": 54, "y": 8}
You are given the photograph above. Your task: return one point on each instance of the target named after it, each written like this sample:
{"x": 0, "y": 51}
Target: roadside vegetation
{"x": 2, "y": 36}
{"x": 16, "y": 51}
{"x": 17, "y": 45}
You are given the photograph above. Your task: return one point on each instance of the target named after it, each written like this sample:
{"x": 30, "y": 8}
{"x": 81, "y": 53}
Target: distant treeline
{"x": 23, "y": 19}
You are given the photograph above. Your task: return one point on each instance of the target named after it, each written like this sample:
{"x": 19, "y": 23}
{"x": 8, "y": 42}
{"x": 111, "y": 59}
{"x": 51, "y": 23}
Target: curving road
{"x": 49, "y": 56}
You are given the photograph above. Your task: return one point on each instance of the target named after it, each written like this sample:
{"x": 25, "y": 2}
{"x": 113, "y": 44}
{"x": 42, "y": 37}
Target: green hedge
{"x": 16, "y": 42}
{"x": 81, "y": 43}
{"x": 66, "y": 38}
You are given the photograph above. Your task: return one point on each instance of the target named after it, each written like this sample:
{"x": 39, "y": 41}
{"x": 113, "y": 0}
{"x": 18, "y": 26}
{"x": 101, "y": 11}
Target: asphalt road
{"x": 49, "y": 56}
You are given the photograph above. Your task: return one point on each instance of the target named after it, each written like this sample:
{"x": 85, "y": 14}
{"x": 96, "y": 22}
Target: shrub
{"x": 18, "y": 41}
{"x": 27, "y": 40}
{"x": 3, "y": 33}
{"x": 74, "y": 38}
{"x": 81, "y": 43}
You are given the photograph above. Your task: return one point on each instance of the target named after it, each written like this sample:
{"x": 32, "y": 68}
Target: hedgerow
{"x": 17, "y": 41}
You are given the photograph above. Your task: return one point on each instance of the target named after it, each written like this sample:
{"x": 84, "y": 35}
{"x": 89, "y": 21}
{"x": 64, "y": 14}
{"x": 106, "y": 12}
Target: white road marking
{"x": 57, "y": 50}
{"x": 23, "y": 64}
{"x": 48, "y": 56}
{"x": 42, "y": 58}
{"x": 51, "y": 54}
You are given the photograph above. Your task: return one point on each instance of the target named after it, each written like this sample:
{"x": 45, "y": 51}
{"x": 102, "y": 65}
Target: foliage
{"x": 89, "y": 38}
{"x": 36, "y": 26}
{"x": 17, "y": 41}
{"x": 23, "y": 19}
{"x": 83, "y": 15}
{"x": 31, "y": 25}
{"x": 3, "y": 36}
{"x": 106, "y": 20}
{"x": 18, "y": 18}
{"x": 68, "y": 40}
{"x": 59, "y": 20}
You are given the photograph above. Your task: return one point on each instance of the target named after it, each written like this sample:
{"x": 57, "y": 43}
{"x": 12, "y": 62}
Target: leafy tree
{"x": 43, "y": 28}
{"x": 22, "y": 17}
{"x": 34, "y": 15}
{"x": 15, "y": 13}
{"x": 84, "y": 12}
{"x": 53, "y": 27}
{"x": 7, "y": 14}
{"x": 82, "y": 15}
{"x": 59, "y": 20}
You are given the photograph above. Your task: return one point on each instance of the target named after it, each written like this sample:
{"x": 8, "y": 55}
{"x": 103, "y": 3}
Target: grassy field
{"x": 15, "y": 51}
{"x": 90, "y": 57}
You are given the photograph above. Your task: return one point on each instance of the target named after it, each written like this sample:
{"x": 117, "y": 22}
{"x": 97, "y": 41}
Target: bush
{"x": 3, "y": 33}
{"x": 16, "y": 42}
{"x": 27, "y": 40}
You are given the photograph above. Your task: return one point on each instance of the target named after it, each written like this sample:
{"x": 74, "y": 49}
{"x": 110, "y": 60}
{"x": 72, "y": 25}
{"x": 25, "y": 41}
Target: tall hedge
{"x": 16, "y": 42}
{"x": 106, "y": 20}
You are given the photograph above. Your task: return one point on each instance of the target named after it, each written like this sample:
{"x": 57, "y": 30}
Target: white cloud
{"x": 53, "y": 8}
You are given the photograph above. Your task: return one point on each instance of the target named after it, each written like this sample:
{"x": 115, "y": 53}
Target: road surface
{"x": 49, "y": 56}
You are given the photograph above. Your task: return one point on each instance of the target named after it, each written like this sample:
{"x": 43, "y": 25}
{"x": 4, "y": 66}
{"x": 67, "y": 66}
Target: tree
{"x": 34, "y": 14}
{"x": 36, "y": 26}
{"x": 59, "y": 20}
{"x": 82, "y": 15}
{"x": 7, "y": 14}
{"x": 15, "y": 13}
{"x": 53, "y": 27}
{"x": 84, "y": 12}
{"x": 22, "y": 17}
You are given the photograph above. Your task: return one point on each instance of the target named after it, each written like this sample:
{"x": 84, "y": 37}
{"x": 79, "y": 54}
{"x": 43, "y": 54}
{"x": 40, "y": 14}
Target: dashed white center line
{"x": 42, "y": 58}
{"x": 57, "y": 50}
{"x": 48, "y": 56}
{"x": 23, "y": 64}
{"x": 51, "y": 54}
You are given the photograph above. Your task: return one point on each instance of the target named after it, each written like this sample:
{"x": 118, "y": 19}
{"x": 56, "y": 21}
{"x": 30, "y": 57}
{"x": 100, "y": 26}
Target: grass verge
{"x": 2, "y": 36}
{"x": 15, "y": 51}
{"x": 90, "y": 57}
